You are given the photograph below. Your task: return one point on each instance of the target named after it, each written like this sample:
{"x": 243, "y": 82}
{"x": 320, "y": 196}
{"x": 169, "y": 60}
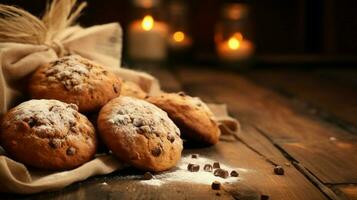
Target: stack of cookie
{"x": 51, "y": 131}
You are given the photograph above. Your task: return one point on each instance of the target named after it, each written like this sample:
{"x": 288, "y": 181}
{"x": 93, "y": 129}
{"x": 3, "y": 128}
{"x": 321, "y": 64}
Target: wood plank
{"x": 321, "y": 89}
{"x": 327, "y": 167}
{"x": 256, "y": 177}
{"x": 346, "y": 192}
{"x": 276, "y": 117}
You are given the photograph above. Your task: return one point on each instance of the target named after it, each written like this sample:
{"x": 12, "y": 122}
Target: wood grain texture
{"x": 277, "y": 118}
{"x": 333, "y": 91}
{"x": 346, "y": 192}
{"x": 256, "y": 178}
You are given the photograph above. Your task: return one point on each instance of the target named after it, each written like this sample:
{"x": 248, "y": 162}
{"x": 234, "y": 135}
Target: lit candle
{"x": 179, "y": 40}
{"x": 147, "y": 39}
{"x": 235, "y": 48}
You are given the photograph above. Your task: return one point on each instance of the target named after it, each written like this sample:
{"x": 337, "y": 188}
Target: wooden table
{"x": 304, "y": 121}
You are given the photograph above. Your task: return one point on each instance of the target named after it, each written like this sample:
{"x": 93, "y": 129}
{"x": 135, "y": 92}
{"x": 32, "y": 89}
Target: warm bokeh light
{"x": 179, "y": 36}
{"x": 239, "y": 36}
{"x": 147, "y": 23}
{"x": 233, "y": 43}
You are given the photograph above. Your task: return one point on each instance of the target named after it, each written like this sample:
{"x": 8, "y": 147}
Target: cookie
{"x": 48, "y": 134}
{"x": 191, "y": 115}
{"x": 140, "y": 133}
{"x": 131, "y": 89}
{"x": 73, "y": 79}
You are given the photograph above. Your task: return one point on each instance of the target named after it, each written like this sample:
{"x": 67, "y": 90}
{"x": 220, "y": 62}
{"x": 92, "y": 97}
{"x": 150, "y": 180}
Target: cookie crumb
{"x": 148, "y": 176}
{"x": 207, "y": 168}
{"x": 216, "y": 185}
{"x": 279, "y": 170}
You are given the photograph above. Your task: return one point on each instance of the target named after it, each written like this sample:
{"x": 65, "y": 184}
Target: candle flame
{"x": 233, "y": 43}
{"x": 178, "y": 36}
{"x": 147, "y": 23}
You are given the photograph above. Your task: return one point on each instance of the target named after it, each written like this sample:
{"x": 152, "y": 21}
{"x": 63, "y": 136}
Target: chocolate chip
{"x": 148, "y": 176}
{"x": 32, "y": 122}
{"x": 156, "y": 151}
{"x": 171, "y": 138}
{"x": 115, "y": 88}
{"x": 207, "y": 168}
{"x": 221, "y": 173}
{"x": 216, "y": 165}
{"x": 189, "y": 166}
{"x": 181, "y": 94}
{"x": 71, "y": 151}
{"x": 138, "y": 122}
{"x": 194, "y": 156}
{"x": 193, "y": 167}
{"x": 279, "y": 170}
{"x": 54, "y": 143}
{"x": 73, "y": 106}
{"x": 218, "y": 194}
{"x": 234, "y": 173}
{"x": 264, "y": 197}
{"x": 216, "y": 185}
{"x": 73, "y": 129}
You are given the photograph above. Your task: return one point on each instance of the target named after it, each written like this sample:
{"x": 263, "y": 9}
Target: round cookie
{"x": 131, "y": 89}
{"x": 140, "y": 133}
{"x": 73, "y": 79}
{"x": 191, "y": 115}
{"x": 48, "y": 134}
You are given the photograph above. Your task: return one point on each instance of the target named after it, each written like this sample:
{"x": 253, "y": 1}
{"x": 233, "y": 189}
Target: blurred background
{"x": 303, "y": 49}
{"x": 269, "y": 33}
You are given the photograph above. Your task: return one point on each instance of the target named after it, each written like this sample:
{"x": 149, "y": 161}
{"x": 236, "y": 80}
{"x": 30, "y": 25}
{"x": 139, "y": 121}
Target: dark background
{"x": 285, "y": 31}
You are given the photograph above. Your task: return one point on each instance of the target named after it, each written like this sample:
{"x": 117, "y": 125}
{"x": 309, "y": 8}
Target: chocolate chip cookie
{"x": 191, "y": 115}
{"x": 48, "y": 134}
{"x": 140, "y": 133}
{"x": 73, "y": 79}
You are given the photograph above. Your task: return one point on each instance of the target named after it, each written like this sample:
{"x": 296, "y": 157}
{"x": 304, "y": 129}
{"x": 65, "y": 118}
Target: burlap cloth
{"x": 103, "y": 44}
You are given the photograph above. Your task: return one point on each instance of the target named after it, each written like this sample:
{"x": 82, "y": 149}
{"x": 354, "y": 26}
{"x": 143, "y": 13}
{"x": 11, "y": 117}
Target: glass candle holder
{"x": 232, "y": 34}
{"x": 179, "y": 38}
{"x": 147, "y": 32}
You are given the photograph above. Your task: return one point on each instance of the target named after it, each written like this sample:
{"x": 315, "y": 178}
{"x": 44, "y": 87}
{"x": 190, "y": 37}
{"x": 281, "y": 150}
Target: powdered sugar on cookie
{"x": 46, "y": 117}
{"x": 70, "y": 71}
{"x": 143, "y": 118}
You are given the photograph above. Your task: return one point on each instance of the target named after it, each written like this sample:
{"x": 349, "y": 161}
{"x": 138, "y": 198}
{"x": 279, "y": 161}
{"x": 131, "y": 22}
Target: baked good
{"x": 73, "y": 79}
{"x": 190, "y": 114}
{"x": 140, "y": 133}
{"x": 48, "y": 134}
{"x": 132, "y": 89}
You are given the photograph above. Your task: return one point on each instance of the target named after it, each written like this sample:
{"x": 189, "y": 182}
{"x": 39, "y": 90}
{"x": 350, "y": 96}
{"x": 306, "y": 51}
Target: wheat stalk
{"x": 18, "y": 25}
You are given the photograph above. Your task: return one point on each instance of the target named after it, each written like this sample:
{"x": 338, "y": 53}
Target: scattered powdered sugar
{"x": 70, "y": 71}
{"x": 181, "y": 174}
